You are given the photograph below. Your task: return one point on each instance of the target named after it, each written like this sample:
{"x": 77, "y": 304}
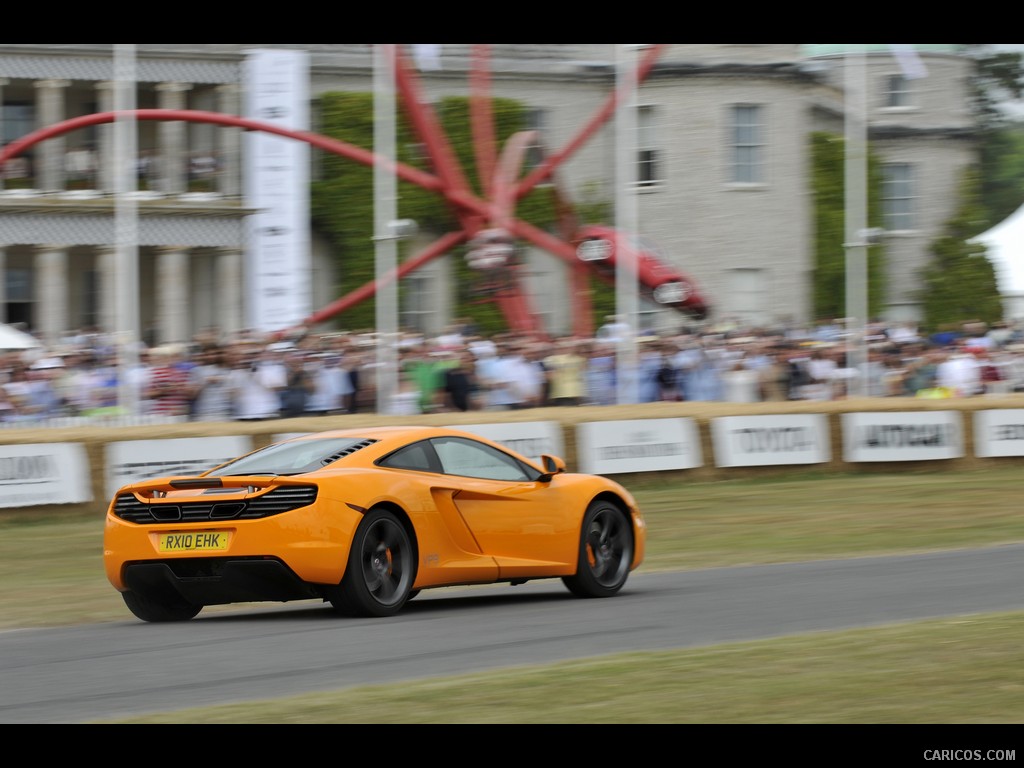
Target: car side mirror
{"x": 552, "y": 466}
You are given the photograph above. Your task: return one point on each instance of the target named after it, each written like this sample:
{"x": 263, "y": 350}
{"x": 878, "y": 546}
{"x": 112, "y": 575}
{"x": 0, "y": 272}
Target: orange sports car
{"x": 365, "y": 519}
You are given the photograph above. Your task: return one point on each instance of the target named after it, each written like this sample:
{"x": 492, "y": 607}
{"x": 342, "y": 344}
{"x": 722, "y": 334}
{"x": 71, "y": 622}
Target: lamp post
{"x": 855, "y": 195}
{"x": 126, "y": 226}
{"x": 626, "y": 293}
{"x": 385, "y": 207}
{"x": 387, "y": 363}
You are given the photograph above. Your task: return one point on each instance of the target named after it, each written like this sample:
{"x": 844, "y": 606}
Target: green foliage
{"x": 997, "y": 77}
{"x": 960, "y": 282}
{"x": 1002, "y": 173}
{"x": 828, "y": 158}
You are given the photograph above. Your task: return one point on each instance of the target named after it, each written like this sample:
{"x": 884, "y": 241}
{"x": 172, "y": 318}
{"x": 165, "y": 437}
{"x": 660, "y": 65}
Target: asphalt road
{"x": 83, "y": 673}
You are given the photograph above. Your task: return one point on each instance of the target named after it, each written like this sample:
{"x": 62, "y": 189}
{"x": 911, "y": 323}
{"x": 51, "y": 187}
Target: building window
{"x": 536, "y": 120}
{"x": 18, "y": 120}
{"x": 648, "y": 155}
{"x": 416, "y": 302}
{"x": 747, "y": 144}
{"x": 898, "y": 196}
{"x": 748, "y": 296}
{"x": 896, "y": 91}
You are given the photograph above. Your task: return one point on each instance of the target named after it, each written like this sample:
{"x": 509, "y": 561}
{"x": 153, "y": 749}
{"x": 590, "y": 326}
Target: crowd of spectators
{"x": 249, "y": 377}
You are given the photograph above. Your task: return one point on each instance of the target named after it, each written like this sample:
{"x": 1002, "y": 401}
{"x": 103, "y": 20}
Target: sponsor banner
{"x": 999, "y": 432}
{"x": 277, "y": 189}
{"x": 529, "y": 438}
{"x": 902, "y": 436}
{"x": 44, "y": 473}
{"x": 133, "y": 460}
{"x": 753, "y": 441}
{"x": 640, "y": 445}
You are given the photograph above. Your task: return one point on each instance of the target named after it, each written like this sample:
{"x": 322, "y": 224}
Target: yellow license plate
{"x": 199, "y": 541}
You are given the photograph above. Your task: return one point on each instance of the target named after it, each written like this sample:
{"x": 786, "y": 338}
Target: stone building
{"x": 721, "y": 142}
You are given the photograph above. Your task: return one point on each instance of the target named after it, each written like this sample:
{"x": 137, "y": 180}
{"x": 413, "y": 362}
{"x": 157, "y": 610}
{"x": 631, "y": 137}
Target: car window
{"x": 419, "y": 456}
{"x": 293, "y": 457}
{"x": 472, "y": 459}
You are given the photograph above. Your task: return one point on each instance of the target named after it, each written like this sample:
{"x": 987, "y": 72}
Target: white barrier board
{"x": 999, "y": 432}
{"x": 902, "y": 436}
{"x": 752, "y": 441}
{"x": 637, "y": 445}
{"x": 44, "y": 473}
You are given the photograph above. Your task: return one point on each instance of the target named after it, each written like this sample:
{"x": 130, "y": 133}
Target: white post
{"x": 856, "y": 220}
{"x": 126, "y": 226}
{"x": 385, "y": 207}
{"x": 626, "y": 219}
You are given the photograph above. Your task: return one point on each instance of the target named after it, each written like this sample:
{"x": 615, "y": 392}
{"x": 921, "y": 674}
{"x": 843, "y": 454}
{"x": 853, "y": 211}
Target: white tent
{"x": 12, "y": 338}
{"x": 1005, "y": 243}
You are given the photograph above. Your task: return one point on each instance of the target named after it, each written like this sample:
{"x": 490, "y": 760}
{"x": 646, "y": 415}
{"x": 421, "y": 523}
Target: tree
{"x": 998, "y": 77}
{"x": 959, "y": 283}
{"x": 828, "y": 285}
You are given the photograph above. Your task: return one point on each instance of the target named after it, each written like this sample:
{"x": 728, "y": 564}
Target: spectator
{"x": 741, "y": 384}
{"x": 299, "y": 385}
{"x": 255, "y": 382}
{"x": 773, "y": 376}
{"x": 209, "y": 389}
{"x": 460, "y": 387}
{"x": 566, "y": 373}
{"x": 959, "y": 373}
{"x": 821, "y": 368}
{"x": 168, "y": 391}
{"x": 601, "y": 379}
{"x": 332, "y": 385}
{"x": 702, "y": 380}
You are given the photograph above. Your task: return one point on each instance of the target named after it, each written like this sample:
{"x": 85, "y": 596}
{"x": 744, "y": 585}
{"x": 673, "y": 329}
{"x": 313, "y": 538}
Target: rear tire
{"x": 605, "y": 554}
{"x": 166, "y": 608}
{"x": 381, "y": 568}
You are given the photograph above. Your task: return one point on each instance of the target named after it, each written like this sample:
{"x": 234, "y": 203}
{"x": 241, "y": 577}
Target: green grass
{"x": 962, "y": 670}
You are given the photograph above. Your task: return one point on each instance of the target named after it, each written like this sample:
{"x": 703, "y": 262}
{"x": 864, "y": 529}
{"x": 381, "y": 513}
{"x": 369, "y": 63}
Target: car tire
{"x": 381, "y": 568}
{"x": 605, "y": 553}
{"x": 163, "y": 609}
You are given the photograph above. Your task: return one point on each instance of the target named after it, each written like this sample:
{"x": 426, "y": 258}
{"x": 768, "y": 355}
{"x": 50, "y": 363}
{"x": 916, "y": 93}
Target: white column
{"x": 627, "y": 300}
{"x": 172, "y": 273}
{"x": 50, "y": 153}
{"x": 105, "y": 149}
{"x": 51, "y": 299}
{"x": 229, "y": 285}
{"x": 106, "y": 270}
{"x": 385, "y": 209}
{"x": 229, "y": 176}
{"x": 173, "y": 140}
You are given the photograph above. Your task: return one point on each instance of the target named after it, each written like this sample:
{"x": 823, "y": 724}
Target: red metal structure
{"x": 493, "y": 214}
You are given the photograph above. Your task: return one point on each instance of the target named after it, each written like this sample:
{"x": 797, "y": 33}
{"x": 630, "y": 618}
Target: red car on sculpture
{"x": 659, "y": 281}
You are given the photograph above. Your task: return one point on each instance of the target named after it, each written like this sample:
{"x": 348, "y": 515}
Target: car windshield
{"x": 293, "y": 457}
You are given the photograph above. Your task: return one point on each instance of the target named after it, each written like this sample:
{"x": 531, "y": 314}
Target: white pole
{"x": 385, "y": 208}
{"x": 856, "y": 220}
{"x": 126, "y": 228}
{"x": 626, "y": 219}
